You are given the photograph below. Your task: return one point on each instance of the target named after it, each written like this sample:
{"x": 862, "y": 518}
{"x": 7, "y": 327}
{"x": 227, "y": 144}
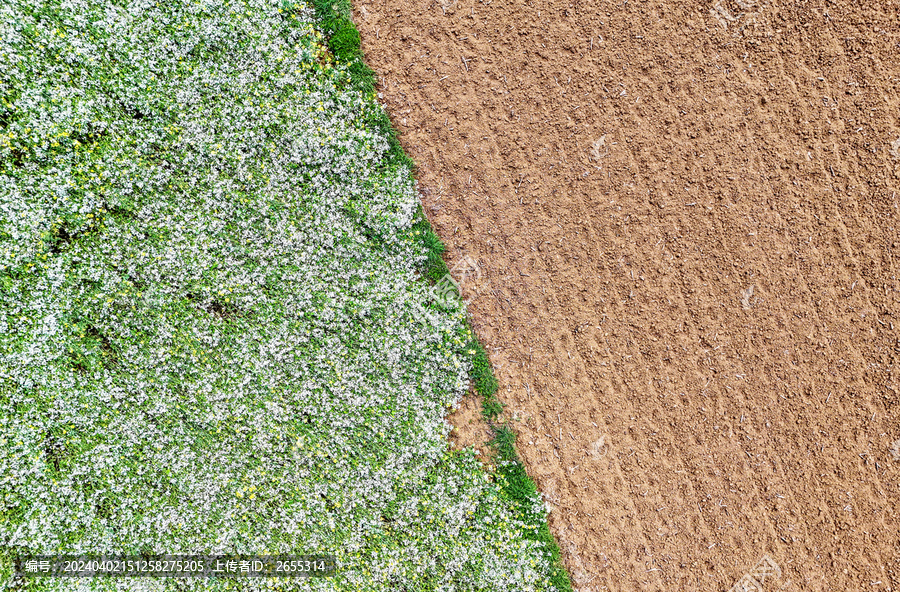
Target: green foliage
{"x": 482, "y": 373}
{"x": 491, "y": 408}
{"x": 344, "y": 43}
{"x": 434, "y": 268}
{"x": 7, "y": 562}
{"x": 520, "y": 490}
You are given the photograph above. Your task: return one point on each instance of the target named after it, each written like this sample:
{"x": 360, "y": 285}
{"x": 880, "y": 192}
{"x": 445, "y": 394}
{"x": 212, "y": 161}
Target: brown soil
{"x": 470, "y": 430}
{"x": 687, "y": 218}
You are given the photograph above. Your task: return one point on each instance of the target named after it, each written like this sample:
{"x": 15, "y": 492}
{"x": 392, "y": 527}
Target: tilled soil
{"x": 686, "y": 216}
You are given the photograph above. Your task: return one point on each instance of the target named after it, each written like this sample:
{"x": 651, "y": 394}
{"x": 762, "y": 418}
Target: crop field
{"x": 220, "y": 330}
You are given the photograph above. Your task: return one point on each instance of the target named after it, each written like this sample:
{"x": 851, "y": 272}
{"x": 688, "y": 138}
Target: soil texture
{"x": 687, "y": 221}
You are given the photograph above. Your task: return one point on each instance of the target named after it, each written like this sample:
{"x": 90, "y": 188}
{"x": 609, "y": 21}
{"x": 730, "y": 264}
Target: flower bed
{"x": 209, "y": 259}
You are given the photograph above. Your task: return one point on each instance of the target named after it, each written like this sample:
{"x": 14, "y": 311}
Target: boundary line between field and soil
{"x": 343, "y": 38}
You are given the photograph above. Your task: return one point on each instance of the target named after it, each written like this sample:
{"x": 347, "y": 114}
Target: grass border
{"x": 336, "y": 18}
{"x": 344, "y": 42}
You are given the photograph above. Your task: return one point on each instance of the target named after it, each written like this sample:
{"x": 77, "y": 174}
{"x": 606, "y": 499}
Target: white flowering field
{"x": 208, "y": 270}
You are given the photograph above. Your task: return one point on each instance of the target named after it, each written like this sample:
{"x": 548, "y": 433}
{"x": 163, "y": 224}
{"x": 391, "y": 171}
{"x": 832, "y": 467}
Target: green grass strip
{"x": 520, "y": 490}
{"x": 344, "y": 43}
